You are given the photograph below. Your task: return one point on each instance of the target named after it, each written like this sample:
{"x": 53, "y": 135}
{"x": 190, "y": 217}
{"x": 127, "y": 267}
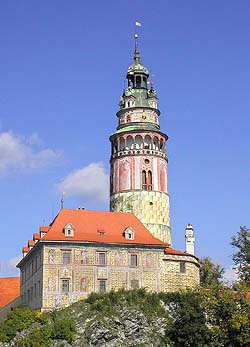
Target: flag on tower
{"x": 138, "y": 24}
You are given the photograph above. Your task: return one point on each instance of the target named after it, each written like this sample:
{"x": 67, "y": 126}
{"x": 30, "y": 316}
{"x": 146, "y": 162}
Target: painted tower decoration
{"x": 139, "y": 164}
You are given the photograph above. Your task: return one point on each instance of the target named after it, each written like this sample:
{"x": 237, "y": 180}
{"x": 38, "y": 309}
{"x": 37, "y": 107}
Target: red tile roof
{"x": 36, "y": 237}
{"x": 43, "y": 229}
{"x": 87, "y": 224}
{"x": 173, "y": 251}
{"x": 25, "y": 249}
{"x": 169, "y": 250}
{"x": 31, "y": 243}
{"x": 9, "y": 289}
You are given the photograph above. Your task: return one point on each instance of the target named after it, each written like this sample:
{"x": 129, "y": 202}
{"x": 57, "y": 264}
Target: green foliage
{"x": 93, "y": 297}
{"x": 187, "y": 326}
{"x": 43, "y": 318}
{"x": 227, "y": 316}
{"x": 50, "y": 326}
{"x": 241, "y": 257}
{"x": 210, "y": 273}
{"x": 207, "y": 317}
{"x": 40, "y": 337}
{"x": 19, "y": 319}
{"x": 64, "y": 328}
{"x": 149, "y": 303}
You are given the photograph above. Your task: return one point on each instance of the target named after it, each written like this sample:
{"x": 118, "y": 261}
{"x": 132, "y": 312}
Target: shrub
{"x": 41, "y": 337}
{"x": 64, "y": 328}
{"x": 19, "y": 319}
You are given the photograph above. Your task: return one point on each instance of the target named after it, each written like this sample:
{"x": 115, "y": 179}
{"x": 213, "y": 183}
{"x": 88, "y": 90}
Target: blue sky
{"x": 62, "y": 67}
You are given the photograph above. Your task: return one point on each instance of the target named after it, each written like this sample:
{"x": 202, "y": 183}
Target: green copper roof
{"x": 139, "y": 126}
{"x": 137, "y": 68}
{"x": 141, "y": 97}
{"x": 128, "y": 128}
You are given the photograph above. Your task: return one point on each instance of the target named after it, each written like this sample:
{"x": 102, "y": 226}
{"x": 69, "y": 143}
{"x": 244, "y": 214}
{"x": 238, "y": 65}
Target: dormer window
{"x": 129, "y": 233}
{"x": 69, "y": 230}
{"x": 101, "y": 232}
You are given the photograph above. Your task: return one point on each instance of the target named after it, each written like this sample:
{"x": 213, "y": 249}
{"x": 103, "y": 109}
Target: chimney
{"x": 189, "y": 236}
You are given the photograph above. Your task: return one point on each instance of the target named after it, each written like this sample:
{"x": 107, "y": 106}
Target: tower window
{"x": 147, "y": 180}
{"x": 144, "y": 180}
{"x": 138, "y": 81}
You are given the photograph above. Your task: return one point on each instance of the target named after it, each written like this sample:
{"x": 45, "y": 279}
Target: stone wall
{"x": 151, "y": 207}
{"x": 179, "y": 273}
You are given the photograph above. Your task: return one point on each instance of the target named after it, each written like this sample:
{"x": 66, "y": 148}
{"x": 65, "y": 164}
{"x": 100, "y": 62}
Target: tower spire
{"x": 137, "y": 53}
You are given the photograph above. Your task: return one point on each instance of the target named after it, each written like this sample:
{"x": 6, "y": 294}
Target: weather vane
{"x": 137, "y": 24}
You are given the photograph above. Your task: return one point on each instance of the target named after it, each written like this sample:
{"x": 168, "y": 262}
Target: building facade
{"x": 129, "y": 247}
{"x": 88, "y": 251}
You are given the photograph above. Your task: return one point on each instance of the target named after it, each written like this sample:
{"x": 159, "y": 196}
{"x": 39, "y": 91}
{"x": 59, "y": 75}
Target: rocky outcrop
{"x": 131, "y": 328}
{"x": 128, "y": 327}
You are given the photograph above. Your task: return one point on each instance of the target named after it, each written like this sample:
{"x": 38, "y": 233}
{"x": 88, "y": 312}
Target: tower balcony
{"x": 126, "y": 152}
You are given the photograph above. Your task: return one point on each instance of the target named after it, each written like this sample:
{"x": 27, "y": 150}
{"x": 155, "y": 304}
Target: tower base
{"x": 150, "y": 207}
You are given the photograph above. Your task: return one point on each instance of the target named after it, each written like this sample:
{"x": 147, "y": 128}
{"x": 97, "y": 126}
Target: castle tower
{"x": 139, "y": 164}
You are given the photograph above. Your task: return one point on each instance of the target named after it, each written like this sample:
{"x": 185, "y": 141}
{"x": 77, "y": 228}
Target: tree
{"x": 241, "y": 257}
{"x": 227, "y": 316}
{"x": 210, "y": 273}
{"x": 187, "y": 320}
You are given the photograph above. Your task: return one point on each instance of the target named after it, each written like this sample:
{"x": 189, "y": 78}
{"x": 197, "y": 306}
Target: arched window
{"x": 149, "y": 180}
{"x": 138, "y": 142}
{"x": 161, "y": 145}
{"x": 144, "y": 180}
{"x": 115, "y": 147}
{"x": 130, "y": 142}
{"x": 156, "y": 144}
{"x": 122, "y": 144}
{"x": 147, "y": 142}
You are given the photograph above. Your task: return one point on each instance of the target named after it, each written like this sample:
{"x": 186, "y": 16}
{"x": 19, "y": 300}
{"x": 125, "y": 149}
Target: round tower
{"x": 139, "y": 164}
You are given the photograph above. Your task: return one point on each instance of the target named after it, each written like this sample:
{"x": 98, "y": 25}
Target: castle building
{"x": 129, "y": 247}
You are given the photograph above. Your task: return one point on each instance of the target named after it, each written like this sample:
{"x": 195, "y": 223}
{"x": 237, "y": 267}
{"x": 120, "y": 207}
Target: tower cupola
{"x": 137, "y": 74}
{"x": 137, "y": 93}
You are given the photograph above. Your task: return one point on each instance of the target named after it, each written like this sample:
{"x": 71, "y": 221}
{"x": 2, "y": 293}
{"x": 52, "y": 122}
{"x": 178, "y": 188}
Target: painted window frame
{"x": 63, "y": 282}
{"x": 134, "y": 259}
